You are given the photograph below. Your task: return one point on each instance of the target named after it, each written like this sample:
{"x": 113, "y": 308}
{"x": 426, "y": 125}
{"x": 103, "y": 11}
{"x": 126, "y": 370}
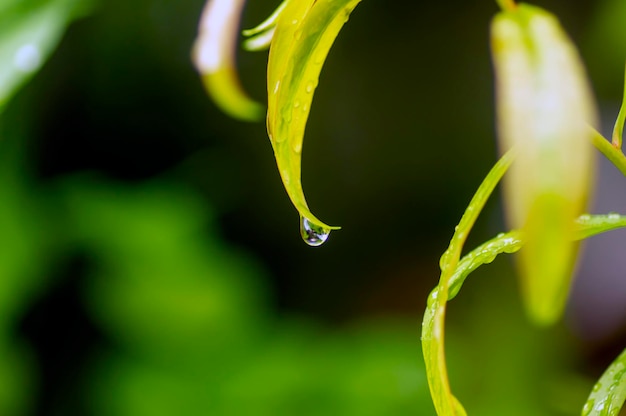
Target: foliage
{"x": 187, "y": 316}
{"x": 546, "y": 115}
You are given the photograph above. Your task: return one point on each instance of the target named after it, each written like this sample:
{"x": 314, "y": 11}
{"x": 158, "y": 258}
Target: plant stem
{"x": 615, "y": 155}
{"x": 507, "y": 5}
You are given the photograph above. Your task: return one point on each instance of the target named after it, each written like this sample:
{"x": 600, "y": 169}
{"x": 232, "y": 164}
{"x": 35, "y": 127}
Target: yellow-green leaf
{"x": 260, "y": 37}
{"x": 544, "y": 104}
{"x": 434, "y": 318}
{"x": 214, "y": 57}
{"x": 304, "y": 34}
{"x": 609, "y": 393}
{"x": 454, "y": 271}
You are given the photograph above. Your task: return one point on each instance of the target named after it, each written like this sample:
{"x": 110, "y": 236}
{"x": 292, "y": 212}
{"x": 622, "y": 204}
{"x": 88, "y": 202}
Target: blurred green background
{"x": 150, "y": 260}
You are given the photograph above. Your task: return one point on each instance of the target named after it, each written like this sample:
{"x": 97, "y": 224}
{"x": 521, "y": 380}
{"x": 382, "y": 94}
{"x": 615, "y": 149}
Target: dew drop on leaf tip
{"x": 312, "y": 234}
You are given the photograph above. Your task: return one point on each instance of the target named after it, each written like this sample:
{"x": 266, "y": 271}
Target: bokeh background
{"x": 150, "y": 260}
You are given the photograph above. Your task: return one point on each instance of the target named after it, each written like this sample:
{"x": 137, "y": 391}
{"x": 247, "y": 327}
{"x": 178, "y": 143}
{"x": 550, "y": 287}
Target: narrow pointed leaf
{"x": 434, "y": 317}
{"x": 586, "y": 226}
{"x": 305, "y": 32}
{"x": 609, "y": 393}
{"x": 544, "y": 104}
{"x": 260, "y": 37}
{"x": 214, "y": 57}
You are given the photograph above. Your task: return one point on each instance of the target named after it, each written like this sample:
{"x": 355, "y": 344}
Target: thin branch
{"x": 612, "y": 153}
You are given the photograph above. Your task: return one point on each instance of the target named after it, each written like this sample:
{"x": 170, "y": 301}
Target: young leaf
{"x": 260, "y": 37}
{"x": 304, "y": 34}
{"x": 434, "y": 317}
{"x": 214, "y": 57}
{"x": 543, "y": 102}
{"x": 609, "y": 393}
{"x": 585, "y": 226}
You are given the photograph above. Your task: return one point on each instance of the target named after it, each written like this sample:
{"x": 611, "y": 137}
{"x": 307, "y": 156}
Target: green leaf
{"x": 433, "y": 325}
{"x": 585, "y": 226}
{"x": 260, "y": 37}
{"x": 29, "y": 32}
{"x": 544, "y": 103}
{"x": 305, "y": 32}
{"x": 434, "y": 317}
{"x": 609, "y": 393}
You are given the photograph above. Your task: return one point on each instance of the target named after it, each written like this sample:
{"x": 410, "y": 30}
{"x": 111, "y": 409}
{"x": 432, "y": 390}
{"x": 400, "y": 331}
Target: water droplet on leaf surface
{"x": 312, "y": 234}
{"x": 613, "y": 216}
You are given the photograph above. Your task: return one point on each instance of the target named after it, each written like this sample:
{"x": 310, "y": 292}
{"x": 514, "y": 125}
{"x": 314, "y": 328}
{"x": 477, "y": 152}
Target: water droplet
{"x": 443, "y": 260}
{"x": 285, "y": 176}
{"x": 312, "y": 234}
{"x": 500, "y": 235}
{"x": 597, "y": 387}
{"x": 297, "y": 147}
{"x": 587, "y": 408}
{"x": 305, "y": 108}
{"x": 27, "y": 58}
{"x": 296, "y": 104}
{"x": 510, "y": 247}
{"x": 276, "y": 87}
{"x": 294, "y": 22}
{"x": 613, "y": 216}
{"x": 584, "y": 217}
{"x": 287, "y": 114}
{"x": 309, "y": 87}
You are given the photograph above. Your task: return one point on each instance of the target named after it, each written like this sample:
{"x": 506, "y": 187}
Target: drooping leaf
{"x": 215, "y": 58}
{"x": 29, "y": 32}
{"x": 609, "y": 393}
{"x": 544, "y": 104}
{"x": 304, "y": 34}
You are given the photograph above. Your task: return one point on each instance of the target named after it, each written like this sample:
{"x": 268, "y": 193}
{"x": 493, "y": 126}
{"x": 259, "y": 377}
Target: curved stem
{"x": 615, "y": 155}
